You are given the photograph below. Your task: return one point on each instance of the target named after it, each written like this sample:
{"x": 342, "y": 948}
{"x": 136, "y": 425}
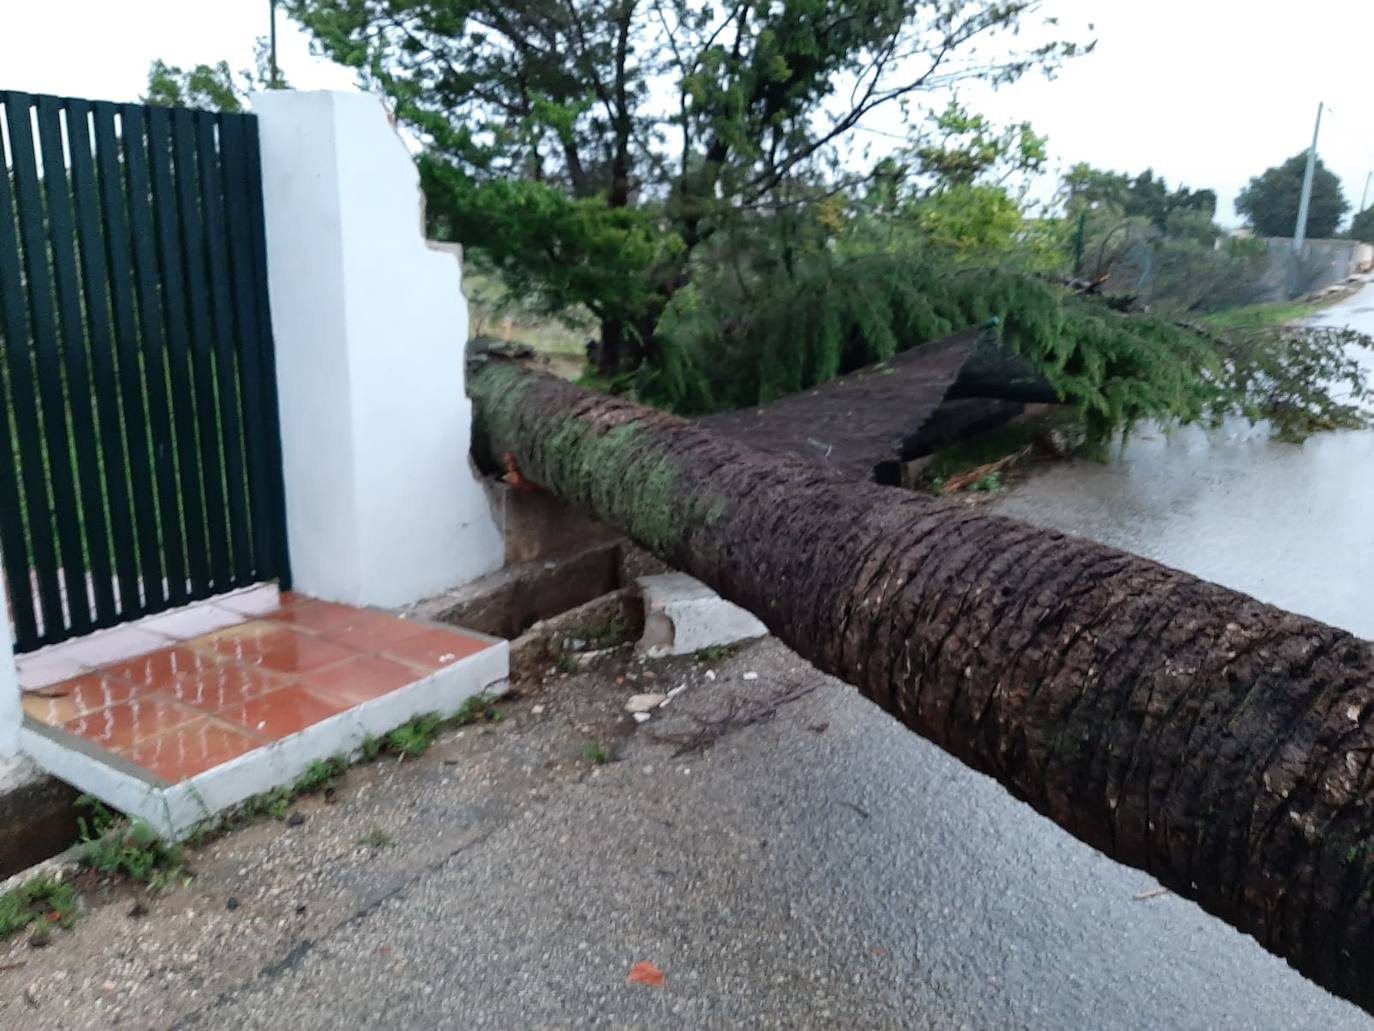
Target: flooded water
{"x": 1290, "y": 524}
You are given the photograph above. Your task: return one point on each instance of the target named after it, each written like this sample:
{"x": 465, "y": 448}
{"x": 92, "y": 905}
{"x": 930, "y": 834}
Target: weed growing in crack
{"x": 40, "y": 900}
{"x": 377, "y": 838}
{"x": 595, "y": 752}
{"x": 321, "y": 774}
{"x": 412, "y": 740}
{"x": 476, "y": 709}
{"x": 113, "y": 844}
{"x": 371, "y": 747}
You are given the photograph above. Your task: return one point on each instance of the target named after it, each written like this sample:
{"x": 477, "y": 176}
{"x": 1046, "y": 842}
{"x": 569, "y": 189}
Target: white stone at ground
{"x": 682, "y": 615}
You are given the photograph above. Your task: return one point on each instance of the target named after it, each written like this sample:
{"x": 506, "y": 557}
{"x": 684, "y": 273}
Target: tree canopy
{"x": 1362, "y": 226}
{"x": 588, "y": 149}
{"x": 705, "y": 183}
{"x": 1145, "y": 196}
{"x": 211, "y": 87}
{"x": 1270, "y": 201}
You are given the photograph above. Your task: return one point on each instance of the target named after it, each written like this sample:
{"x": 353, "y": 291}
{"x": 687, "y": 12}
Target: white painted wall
{"x": 370, "y": 326}
{"x": 11, "y": 713}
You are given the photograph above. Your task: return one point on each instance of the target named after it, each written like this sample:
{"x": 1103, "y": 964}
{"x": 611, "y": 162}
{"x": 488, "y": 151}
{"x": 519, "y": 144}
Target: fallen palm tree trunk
{"x": 1221, "y": 744}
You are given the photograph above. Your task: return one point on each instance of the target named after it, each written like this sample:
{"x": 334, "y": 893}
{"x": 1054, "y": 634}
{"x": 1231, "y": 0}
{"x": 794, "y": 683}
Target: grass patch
{"x": 477, "y": 709}
{"x": 371, "y": 747}
{"x": 1261, "y": 316}
{"x": 115, "y": 845}
{"x": 377, "y": 838}
{"x": 412, "y": 740}
{"x": 40, "y": 900}
{"x": 321, "y": 774}
{"x": 595, "y": 753}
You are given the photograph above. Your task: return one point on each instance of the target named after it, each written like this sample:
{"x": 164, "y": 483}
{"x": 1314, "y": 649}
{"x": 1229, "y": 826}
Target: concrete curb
{"x": 37, "y": 815}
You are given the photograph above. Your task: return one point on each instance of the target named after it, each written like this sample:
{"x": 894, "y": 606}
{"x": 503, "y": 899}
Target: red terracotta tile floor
{"x": 182, "y": 692}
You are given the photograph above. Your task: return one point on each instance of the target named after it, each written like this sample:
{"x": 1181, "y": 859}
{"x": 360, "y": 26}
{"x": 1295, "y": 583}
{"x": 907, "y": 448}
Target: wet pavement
{"x": 815, "y": 865}
{"x": 1291, "y": 524}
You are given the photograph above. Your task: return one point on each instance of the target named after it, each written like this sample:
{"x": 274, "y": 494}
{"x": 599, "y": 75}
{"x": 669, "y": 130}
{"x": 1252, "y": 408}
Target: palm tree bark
{"x": 1218, "y": 743}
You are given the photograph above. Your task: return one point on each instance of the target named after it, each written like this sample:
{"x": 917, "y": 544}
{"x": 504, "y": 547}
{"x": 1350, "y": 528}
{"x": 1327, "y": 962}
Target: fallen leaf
{"x": 819, "y": 728}
{"x": 646, "y": 973}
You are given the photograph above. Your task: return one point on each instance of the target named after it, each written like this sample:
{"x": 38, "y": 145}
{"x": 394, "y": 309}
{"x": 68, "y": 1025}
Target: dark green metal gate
{"x": 140, "y": 459}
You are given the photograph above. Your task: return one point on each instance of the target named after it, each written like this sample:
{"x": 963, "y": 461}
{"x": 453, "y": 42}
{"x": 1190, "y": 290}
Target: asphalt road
{"x": 816, "y": 867}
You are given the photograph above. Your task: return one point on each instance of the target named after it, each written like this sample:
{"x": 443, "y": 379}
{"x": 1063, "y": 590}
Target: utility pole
{"x": 1300, "y": 231}
{"x": 1364, "y": 194}
{"x": 274, "y": 79}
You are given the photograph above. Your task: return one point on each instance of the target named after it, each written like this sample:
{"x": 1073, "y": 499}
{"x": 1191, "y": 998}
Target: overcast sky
{"x": 1207, "y": 92}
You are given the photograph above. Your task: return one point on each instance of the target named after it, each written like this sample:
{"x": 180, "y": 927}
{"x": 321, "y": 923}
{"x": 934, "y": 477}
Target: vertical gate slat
{"x": 90, "y": 498}
{"x": 225, "y": 363}
{"x": 14, "y": 333}
{"x": 189, "y": 193}
{"x": 172, "y": 542}
{"x": 275, "y": 529}
{"x": 178, "y": 349}
{"x": 239, "y": 215}
{"x": 48, "y": 358}
{"x": 119, "y": 262}
{"x": 104, "y": 374}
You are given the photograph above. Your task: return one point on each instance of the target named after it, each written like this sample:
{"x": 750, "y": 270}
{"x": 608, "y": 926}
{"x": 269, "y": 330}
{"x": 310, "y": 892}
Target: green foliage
{"x": 777, "y": 332}
{"x": 1270, "y": 201}
{"x": 211, "y": 87}
{"x": 553, "y": 250}
{"x": 414, "y": 739}
{"x": 477, "y": 709}
{"x": 321, "y": 774}
{"x": 275, "y": 803}
{"x": 1258, "y": 316}
{"x": 972, "y": 221}
{"x": 585, "y": 150}
{"x": 761, "y": 333}
{"x": 596, "y": 753}
{"x": 372, "y": 747}
{"x": 377, "y": 838}
{"x": 1143, "y": 196}
{"x": 113, "y": 844}
{"x": 1302, "y": 379}
{"x": 963, "y": 148}
{"x": 1179, "y": 271}
{"x": 1362, "y": 226}
{"x": 43, "y": 900}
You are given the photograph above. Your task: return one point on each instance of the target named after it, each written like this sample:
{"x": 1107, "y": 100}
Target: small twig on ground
{"x": 958, "y": 483}
{"x": 738, "y": 714}
{"x": 1153, "y": 893}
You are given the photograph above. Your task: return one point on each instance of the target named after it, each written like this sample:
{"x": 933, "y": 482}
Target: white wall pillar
{"x": 370, "y": 326}
{"x": 11, "y": 712}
